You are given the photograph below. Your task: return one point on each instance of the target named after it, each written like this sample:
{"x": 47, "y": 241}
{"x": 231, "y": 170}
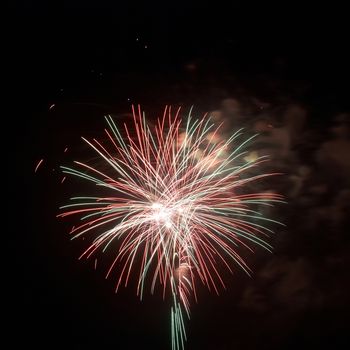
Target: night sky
{"x": 71, "y": 63}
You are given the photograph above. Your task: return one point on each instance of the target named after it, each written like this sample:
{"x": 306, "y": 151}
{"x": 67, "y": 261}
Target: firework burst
{"x": 178, "y": 207}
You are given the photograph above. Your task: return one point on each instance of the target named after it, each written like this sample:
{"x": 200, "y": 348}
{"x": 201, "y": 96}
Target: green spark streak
{"x": 178, "y": 332}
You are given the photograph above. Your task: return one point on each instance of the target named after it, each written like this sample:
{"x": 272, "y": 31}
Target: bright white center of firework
{"x": 162, "y": 214}
{"x": 169, "y": 216}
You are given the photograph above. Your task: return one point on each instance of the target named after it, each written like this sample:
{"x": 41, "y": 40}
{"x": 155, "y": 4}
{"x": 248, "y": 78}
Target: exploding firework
{"x": 178, "y": 208}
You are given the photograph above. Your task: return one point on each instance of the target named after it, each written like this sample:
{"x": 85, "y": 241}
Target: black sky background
{"x": 90, "y": 59}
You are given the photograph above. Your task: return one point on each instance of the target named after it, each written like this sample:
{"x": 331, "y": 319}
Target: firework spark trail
{"x": 175, "y": 209}
{"x": 38, "y": 165}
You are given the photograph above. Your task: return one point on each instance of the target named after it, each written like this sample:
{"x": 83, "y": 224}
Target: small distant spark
{"x": 37, "y": 166}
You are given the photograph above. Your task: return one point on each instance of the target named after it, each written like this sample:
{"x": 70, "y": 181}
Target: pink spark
{"x": 39, "y": 163}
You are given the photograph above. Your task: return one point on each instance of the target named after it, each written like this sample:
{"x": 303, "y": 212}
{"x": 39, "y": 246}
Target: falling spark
{"x": 38, "y": 165}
